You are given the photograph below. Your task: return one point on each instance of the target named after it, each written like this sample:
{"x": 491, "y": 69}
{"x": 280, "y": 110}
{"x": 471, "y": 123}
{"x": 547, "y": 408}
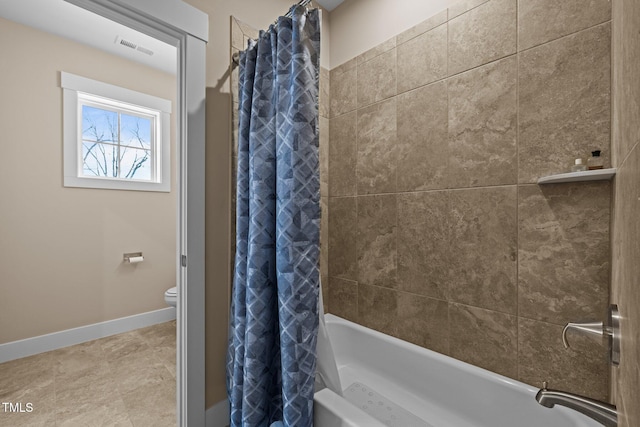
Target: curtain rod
{"x": 236, "y": 56}
{"x": 300, "y": 3}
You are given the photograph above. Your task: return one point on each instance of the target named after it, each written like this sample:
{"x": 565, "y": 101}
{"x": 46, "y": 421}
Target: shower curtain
{"x": 271, "y": 359}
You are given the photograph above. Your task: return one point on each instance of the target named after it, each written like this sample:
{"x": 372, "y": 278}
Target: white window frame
{"x": 76, "y": 90}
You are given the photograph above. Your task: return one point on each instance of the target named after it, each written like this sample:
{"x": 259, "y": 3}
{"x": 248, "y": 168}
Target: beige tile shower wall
{"x": 625, "y": 231}
{"x": 438, "y": 233}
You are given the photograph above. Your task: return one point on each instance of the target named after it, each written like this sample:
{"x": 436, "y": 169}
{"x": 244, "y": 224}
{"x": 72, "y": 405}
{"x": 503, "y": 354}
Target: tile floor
{"x": 122, "y": 380}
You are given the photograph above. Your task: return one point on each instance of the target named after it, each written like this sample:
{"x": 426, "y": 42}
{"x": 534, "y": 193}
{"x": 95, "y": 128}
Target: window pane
{"x": 99, "y": 159}
{"x": 135, "y": 163}
{"x": 99, "y": 125}
{"x": 135, "y": 131}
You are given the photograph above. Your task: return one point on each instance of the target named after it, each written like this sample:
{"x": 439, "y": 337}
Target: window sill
{"x": 116, "y": 184}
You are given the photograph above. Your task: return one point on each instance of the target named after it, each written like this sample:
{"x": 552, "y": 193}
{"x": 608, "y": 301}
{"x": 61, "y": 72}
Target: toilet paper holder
{"x": 133, "y": 257}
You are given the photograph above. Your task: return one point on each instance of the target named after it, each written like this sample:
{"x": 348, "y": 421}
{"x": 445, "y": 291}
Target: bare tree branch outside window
{"x": 115, "y": 144}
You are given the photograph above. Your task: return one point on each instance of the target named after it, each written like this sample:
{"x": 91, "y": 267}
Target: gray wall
{"x": 438, "y": 233}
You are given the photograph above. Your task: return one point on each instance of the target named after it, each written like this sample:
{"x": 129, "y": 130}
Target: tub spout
{"x": 601, "y": 412}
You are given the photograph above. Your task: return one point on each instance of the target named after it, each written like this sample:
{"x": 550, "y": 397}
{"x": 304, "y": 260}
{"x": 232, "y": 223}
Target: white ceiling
{"x": 64, "y": 19}
{"x": 329, "y": 4}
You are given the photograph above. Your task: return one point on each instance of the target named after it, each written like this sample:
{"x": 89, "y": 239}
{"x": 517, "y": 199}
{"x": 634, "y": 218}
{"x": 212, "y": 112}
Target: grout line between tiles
{"x": 357, "y": 272}
{"x": 448, "y": 301}
{"x": 422, "y": 33}
{"x": 635, "y": 146}
{"x": 448, "y": 176}
{"x": 466, "y": 11}
{"x": 517, "y": 278}
{"x": 398, "y": 93}
{"x": 564, "y": 36}
{"x": 390, "y": 193}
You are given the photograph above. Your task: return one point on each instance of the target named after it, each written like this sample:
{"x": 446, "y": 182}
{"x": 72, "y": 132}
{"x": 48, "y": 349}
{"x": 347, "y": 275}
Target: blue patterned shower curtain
{"x": 271, "y": 360}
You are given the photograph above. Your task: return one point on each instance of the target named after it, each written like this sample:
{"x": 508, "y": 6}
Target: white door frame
{"x": 185, "y": 27}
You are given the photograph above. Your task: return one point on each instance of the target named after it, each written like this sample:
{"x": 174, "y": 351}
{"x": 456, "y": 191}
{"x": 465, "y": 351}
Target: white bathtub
{"x": 441, "y": 391}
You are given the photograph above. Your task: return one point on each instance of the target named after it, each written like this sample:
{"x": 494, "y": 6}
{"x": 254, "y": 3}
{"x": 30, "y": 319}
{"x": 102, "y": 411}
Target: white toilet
{"x": 170, "y": 296}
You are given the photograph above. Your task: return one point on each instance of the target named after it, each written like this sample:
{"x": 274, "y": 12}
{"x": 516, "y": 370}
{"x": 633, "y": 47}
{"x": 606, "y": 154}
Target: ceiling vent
{"x": 145, "y": 50}
{"x": 127, "y": 43}
{"x": 132, "y": 45}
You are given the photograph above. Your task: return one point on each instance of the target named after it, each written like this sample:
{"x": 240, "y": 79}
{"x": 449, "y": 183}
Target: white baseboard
{"x": 30, "y": 346}
{"x": 218, "y": 415}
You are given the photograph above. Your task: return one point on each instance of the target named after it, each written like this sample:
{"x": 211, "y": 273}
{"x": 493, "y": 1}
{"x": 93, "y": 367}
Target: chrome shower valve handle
{"x": 588, "y": 328}
{"x": 611, "y": 331}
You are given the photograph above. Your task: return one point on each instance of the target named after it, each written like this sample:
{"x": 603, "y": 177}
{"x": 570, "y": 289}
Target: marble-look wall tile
{"x": 427, "y": 239}
{"x": 540, "y": 21}
{"x": 323, "y": 154}
{"x": 342, "y": 237}
{"x": 343, "y": 298}
{"x": 483, "y": 248}
{"x": 423, "y": 321}
{"x": 564, "y": 102}
{"x": 343, "y": 85}
{"x": 237, "y": 37}
{"x": 377, "y": 79}
{"x": 248, "y": 31}
{"x": 482, "y": 126}
{"x": 246, "y": 40}
{"x": 426, "y": 25}
{"x": 377, "y": 253}
{"x": 626, "y": 74}
{"x": 564, "y": 251}
{"x": 377, "y": 50}
{"x": 342, "y": 155}
{"x": 462, "y": 6}
{"x": 625, "y": 289}
{"x": 422, "y": 138}
{"x": 423, "y": 59}
{"x": 324, "y": 248}
{"x": 345, "y": 66}
{"x": 582, "y": 369}
{"x": 325, "y": 297}
{"x": 324, "y": 94}
{"x": 378, "y": 308}
{"x": 482, "y": 35}
{"x": 484, "y": 338}
{"x": 234, "y": 81}
{"x": 377, "y": 148}
{"x": 423, "y": 243}
{"x": 235, "y": 120}
{"x": 234, "y": 212}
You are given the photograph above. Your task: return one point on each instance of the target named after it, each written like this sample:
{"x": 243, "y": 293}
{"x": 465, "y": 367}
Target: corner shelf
{"x": 591, "y": 175}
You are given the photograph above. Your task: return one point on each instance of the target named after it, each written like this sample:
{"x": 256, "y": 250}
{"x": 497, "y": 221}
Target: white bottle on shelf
{"x": 578, "y": 166}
